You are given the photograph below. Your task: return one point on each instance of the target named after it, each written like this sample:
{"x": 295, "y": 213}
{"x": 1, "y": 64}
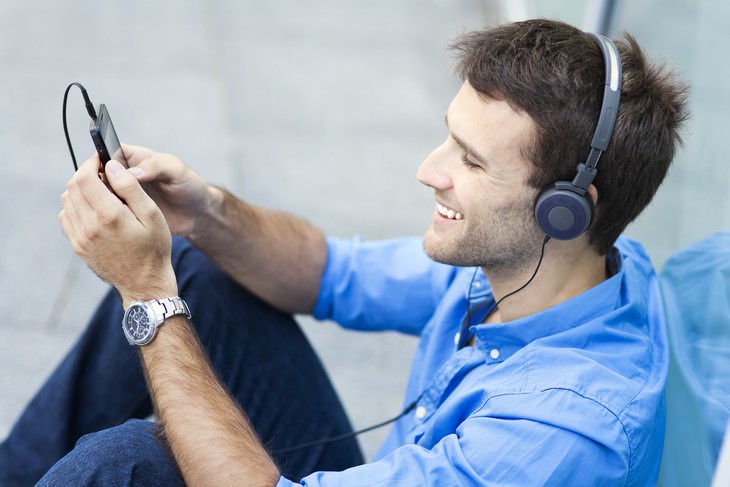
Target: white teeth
{"x": 448, "y": 212}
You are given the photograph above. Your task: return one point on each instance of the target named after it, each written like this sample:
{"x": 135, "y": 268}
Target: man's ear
{"x": 593, "y": 193}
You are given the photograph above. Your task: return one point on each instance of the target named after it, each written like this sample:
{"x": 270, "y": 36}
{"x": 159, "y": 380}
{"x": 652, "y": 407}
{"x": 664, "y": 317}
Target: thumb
{"x": 126, "y": 186}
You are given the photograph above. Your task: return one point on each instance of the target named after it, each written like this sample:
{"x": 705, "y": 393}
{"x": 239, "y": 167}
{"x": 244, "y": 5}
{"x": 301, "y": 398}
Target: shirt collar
{"x": 500, "y": 340}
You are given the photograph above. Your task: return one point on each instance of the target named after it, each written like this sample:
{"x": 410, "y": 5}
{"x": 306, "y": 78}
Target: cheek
{"x": 477, "y": 196}
{"x": 487, "y": 205}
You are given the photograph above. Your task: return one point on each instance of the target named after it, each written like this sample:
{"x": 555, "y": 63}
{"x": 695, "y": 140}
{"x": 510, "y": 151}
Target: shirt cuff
{"x": 337, "y": 249}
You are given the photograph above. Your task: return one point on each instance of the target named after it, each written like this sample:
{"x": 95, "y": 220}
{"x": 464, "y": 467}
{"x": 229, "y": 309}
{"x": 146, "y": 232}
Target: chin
{"x": 441, "y": 250}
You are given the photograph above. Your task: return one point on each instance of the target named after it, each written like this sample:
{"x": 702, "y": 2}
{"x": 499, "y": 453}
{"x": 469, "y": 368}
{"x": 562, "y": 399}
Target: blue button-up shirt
{"x": 572, "y": 395}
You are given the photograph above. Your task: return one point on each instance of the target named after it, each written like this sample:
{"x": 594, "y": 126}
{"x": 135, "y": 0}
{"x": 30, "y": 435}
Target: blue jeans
{"x": 85, "y": 424}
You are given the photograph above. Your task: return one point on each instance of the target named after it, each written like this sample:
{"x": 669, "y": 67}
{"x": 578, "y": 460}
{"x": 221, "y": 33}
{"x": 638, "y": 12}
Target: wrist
{"x": 149, "y": 292}
{"x": 143, "y": 318}
{"x": 211, "y": 211}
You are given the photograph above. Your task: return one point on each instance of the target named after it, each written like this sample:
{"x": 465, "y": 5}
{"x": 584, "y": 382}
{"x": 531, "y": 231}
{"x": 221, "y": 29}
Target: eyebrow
{"x": 466, "y": 147}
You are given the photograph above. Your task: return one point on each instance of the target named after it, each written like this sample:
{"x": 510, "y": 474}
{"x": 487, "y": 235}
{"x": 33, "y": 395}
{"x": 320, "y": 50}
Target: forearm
{"x": 210, "y": 437}
{"x": 129, "y": 245}
{"x": 276, "y": 255}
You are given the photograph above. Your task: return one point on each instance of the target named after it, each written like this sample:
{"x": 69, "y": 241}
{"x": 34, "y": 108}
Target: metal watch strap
{"x": 168, "y": 307}
{"x": 142, "y": 318}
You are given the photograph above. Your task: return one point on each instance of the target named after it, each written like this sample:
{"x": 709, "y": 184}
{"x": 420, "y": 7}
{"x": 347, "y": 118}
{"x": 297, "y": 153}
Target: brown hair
{"x": 555, "y": 73}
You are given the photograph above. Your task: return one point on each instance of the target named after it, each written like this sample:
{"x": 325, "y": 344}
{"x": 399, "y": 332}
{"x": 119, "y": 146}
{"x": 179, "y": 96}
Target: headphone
{"x": 565, "y": 210}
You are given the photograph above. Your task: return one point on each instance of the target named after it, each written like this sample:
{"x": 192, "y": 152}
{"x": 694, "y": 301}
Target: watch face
{"x": 137, "y": 325}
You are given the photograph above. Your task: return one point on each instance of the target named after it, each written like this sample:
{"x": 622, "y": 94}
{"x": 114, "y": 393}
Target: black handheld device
{"x": 105, "y": 137}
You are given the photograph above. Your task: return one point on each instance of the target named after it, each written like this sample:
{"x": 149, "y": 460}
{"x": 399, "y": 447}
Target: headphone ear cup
{"x": 562, "y": 212}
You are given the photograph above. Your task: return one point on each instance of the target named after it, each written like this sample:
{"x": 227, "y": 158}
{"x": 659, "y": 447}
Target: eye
{"x": 468, "y": 163}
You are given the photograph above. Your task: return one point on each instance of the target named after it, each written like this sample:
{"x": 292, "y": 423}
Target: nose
{"x": 433, "y": 172}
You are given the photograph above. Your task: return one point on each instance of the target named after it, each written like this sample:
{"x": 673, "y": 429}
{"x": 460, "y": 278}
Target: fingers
{"x": 136, "y": 154}
{"x": 126, "y": 186}
{"x": 86, "y": 201}
{"x": 69, "y": 219}
{"x": 139, "y": 158}
{"x": 147, "y": 165}
{"x": 89, "y": 206}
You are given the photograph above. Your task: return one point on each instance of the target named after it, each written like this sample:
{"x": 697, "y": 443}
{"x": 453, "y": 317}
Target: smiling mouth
{"x": 448, "y": 212}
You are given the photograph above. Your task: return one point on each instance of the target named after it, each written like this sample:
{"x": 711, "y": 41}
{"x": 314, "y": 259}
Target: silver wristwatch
{"x": 142, "y": 318}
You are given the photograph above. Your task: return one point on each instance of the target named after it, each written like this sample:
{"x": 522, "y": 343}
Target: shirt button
{"x": 420, "y": 412}
{"x": 457, "y": 337}
{"x": 494, "y": 353}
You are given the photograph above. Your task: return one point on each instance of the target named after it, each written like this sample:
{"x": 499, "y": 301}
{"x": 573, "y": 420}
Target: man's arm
{"x": 275, "y": 255}
{"x": 210, "y": 437}
{"x": 128, "y": 245}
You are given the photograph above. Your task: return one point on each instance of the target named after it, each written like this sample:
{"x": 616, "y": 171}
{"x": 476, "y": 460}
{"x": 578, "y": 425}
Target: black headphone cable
{"x": 412, "y": 405}
{"x": 89, "y": 109}
{"x": 463, "y": 338}
{"x": 346, "y": 436}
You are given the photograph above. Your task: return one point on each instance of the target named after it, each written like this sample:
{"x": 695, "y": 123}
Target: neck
{"x": 567, "y": 269}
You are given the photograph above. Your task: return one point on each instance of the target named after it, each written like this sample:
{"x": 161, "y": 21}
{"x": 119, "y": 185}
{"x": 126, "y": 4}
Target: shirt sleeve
{"x": 490, "y": 451}
{"x": 386, "y": 285}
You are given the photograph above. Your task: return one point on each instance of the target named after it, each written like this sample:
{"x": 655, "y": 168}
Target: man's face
{"x": 484, "y": 207}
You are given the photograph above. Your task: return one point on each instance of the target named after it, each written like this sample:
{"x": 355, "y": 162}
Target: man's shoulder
{"x": 631, "y": 248}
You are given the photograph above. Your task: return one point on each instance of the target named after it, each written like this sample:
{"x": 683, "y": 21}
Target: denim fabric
{"x": 259, "y": 353}
{"x": 129, "y": 454}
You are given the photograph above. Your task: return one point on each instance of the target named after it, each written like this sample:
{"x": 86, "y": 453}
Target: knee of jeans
{"x": 199, "y": 278}
{"x": 124, "y": 455}
{"x": 193, "y": 268}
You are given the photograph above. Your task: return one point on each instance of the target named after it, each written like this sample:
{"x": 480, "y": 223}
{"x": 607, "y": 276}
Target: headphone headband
{"x": 564, "y": 210}
{"x": 611, "y": 96}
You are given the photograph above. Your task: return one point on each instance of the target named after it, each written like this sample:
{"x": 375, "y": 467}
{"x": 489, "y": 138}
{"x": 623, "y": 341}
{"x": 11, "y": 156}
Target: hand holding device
{"x": 179, "y": 192}
{"x": 182, "y": 194}
{"x": 120, "y": 234}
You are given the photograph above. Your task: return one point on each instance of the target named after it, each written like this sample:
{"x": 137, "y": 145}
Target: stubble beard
{"x": 505, "y": 244}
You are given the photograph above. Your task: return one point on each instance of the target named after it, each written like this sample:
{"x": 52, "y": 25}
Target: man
{"x": 556, "y": 377}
